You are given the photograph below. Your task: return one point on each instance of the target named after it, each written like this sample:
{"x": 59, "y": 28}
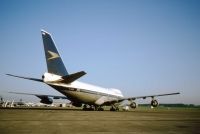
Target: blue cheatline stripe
{"x": 91, "y": 92}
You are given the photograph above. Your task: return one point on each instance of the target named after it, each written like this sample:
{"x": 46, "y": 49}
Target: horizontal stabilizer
{"x": 28, "y": 78}
{"x": 42, "y": 95}
{"x": 72, "y": 77}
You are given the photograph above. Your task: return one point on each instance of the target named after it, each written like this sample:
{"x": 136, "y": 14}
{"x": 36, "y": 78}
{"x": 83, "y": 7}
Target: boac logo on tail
{"x": 52, "y": 55}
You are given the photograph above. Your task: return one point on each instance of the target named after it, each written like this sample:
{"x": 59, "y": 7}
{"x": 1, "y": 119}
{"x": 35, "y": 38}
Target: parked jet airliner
{"x": 79, "y": 93}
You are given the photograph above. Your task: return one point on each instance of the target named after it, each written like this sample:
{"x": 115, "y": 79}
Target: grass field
{"x": 142, "y": 120}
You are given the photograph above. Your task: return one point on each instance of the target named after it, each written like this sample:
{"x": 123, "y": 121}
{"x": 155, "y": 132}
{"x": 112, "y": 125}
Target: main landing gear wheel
{"x": 88, "y": 108}
{"x": 100, "y": 109}
{"x": 114, "y": 109}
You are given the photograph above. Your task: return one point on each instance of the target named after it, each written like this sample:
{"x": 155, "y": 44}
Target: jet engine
{"x": 46, "y": 100}
{"x": 133, "y": 105}
{"x": 154, "y": 103}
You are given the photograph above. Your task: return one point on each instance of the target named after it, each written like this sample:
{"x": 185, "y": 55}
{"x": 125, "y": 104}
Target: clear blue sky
{"x": 140, "y": 47}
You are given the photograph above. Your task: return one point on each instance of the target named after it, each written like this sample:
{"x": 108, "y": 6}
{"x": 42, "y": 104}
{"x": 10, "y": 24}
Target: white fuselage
{"x": 81, "y": 92}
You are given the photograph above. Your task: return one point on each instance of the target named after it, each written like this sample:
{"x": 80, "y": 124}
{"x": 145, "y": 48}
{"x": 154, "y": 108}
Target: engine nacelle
{"x": 46, "y": 100}
{"x": 76, "y": 104}
{"x": 133, "y": 105}
{"x": 154, "y": 103}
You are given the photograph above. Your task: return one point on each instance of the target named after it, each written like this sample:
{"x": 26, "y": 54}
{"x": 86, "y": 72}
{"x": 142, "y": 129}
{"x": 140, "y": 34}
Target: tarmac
{"x": 75, "y": 121}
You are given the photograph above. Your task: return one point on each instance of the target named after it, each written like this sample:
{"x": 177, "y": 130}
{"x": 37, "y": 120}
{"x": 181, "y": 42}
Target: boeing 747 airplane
{"x": 79, "y": 93}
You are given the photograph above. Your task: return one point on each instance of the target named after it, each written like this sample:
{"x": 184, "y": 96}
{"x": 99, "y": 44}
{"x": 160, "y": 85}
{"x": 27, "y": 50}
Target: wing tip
{"x": 9, "y": 74}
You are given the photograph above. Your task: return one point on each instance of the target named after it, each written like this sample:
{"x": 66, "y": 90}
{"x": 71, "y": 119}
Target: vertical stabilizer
{"x": 55, "y": 64}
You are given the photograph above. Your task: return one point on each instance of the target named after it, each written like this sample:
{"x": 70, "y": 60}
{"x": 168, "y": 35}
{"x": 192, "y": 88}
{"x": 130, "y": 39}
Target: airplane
{"x": 80, "y": 94}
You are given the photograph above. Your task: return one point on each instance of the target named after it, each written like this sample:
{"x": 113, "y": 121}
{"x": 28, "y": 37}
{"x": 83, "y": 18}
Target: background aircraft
{"x": 80, "y": 94}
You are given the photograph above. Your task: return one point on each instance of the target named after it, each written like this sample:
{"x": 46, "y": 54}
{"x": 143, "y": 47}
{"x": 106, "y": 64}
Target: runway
{"x": 142, "y": 120}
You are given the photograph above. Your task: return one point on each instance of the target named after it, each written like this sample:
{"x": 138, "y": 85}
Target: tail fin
{"x": 54, "y": 62}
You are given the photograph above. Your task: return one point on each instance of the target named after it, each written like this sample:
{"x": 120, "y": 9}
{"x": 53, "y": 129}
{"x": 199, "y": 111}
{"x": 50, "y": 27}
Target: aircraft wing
{"x": 42, "y": 95}
{"x": 150, "y": 96}
{"x": 138, "y": 97}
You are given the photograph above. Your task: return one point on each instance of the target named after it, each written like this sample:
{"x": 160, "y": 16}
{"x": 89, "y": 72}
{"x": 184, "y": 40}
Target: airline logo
{"x": 53, "y": 55}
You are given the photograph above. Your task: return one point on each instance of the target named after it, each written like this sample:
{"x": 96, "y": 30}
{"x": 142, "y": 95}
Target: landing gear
{"x": 114, "y": 108}
{"x": 100, "y": 109}
{"x": 92, "y": 108}
{"x": 88, "y": 107}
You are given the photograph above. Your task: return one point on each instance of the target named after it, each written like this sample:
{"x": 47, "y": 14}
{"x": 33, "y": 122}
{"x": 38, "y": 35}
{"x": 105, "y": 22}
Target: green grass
{"x": 141, "y": 120}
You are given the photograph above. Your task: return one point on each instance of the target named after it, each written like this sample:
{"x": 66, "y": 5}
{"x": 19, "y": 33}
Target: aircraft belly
{"x": 82, "y": 96}
{"x": 77, "y": 95}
